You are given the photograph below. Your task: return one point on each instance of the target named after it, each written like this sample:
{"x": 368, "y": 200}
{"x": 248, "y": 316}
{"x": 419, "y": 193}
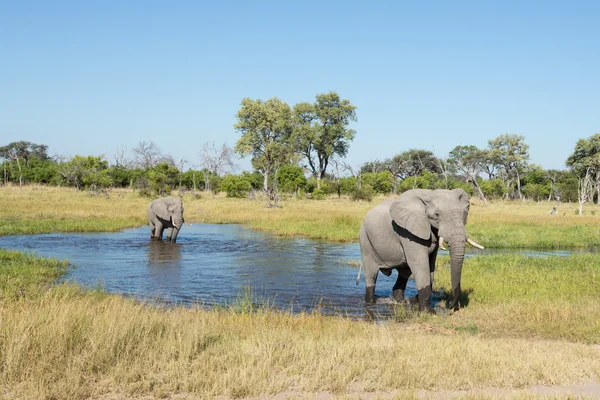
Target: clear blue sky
{"x": 85, "y": 77}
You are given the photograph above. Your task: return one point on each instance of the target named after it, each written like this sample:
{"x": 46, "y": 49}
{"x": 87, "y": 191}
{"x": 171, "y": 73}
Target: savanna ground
{"x": 527, "y": 321}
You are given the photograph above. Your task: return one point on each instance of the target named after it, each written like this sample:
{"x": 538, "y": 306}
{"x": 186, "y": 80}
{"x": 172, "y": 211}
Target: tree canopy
{"x": 321, "y": 130}
{"x": 266, "y": 133}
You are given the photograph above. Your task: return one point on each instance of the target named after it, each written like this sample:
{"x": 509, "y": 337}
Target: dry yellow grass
{"x": 66, "y": 345}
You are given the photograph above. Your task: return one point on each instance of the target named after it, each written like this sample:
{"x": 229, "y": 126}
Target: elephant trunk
{"x": 177, "y": 224}
{"x": 456, "y": 244}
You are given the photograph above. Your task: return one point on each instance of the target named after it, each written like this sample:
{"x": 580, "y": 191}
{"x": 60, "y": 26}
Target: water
{"x": 215, "y": 264}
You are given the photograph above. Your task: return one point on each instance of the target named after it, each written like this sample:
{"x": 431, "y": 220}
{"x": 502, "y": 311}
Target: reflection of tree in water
{"x": 164, "y": 262}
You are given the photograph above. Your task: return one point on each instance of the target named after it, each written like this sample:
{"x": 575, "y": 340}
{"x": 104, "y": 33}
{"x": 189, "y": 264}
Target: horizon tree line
{"x": 292, "y": 149}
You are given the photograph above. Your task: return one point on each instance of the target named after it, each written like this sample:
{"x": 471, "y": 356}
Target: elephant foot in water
{"x": 422, "y": 300}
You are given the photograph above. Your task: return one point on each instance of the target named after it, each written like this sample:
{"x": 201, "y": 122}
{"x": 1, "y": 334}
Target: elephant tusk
{"x": 474, "y": 244}
{"x": 441, "y": 242}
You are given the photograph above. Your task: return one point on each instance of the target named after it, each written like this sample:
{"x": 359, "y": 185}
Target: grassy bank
{"x": 519, "y": 296}
{"x": 528, "y": 322}
{"x": 501, "y": 224}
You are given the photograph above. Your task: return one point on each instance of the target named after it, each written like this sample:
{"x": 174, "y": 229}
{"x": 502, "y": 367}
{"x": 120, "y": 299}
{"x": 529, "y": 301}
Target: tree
{"x": 374, "y": 166}
{"x": 163, "y": 178}
{"x": 22, "y": 150}
{"x": 216, "y": 161}
{"x": 291, "y": 178}
{"x": 147, "y": 155}
{"x": 552, "y": 175}
{"x": 89, "y": 172}
{"x": 585, "y": 160}
{"x": 321, "y": 131}
{"x": 469, "y": 161}
{"x": 512, "y": 153}
{"x": 266, "y": 130}
{"x": 585, "y": 189}
{"x": 120, "y": 156}
{"x": 236, "y": 185}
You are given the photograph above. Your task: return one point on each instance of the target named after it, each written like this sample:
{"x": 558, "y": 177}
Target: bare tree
{"x": 182, "y": 162}
{"x": 121, "y": 157}
{"x": 552, "y": 175}
{"x": 147, "y": 155}
{"x": 443, "y": 166}
{"x": 216, "y": 160}
{"x": 336, "y": 164}
{"x": 356, "y": 173}
{"x": 585, "y": 189}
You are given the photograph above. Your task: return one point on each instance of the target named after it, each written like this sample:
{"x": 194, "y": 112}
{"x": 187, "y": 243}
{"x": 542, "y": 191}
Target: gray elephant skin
{"x": 166, "y": 212}
{"x": 404, "y": 234}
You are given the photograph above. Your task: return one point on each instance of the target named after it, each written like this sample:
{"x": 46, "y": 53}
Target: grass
{"x": 501, "y": 224}
{"x": 520, "y": 296}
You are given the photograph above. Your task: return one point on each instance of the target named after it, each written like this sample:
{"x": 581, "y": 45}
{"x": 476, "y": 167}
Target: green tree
{"x": 41, "y": 171}
{"x": 512, "y": 153}
{"x": 120, "y": 175}
{"x": 266, "y": 129}
{"x": 89, "y": 172}
{"x": 291, "y": 178}
{"x": 321, "y": 131}
{"x": 237, "y": 186}
{"x": 163, "y": 178}
{"x": 469, "y": 162}
{"x": 21, "y": 152}
{"x": 380, "y": 182}
{"x": 410, "y": 163}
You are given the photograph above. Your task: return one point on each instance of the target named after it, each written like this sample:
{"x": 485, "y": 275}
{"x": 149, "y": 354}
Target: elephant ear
{"x": 409, "y": 212}
{"x": 463, "y": 198}
{"x": 160, "y": 208}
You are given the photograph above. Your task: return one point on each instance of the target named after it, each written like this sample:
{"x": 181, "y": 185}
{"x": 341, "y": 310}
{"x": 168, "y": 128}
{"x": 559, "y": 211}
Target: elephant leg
{"x": 152, "y": 228}
{"x": 371, "y": 271}
{"x": 400, "y": 285}
{"x": 159, "y": 228}
{"x": 370, "y": 265}
{"x": 419, "y": 266}
{"x": 432, "y": 258}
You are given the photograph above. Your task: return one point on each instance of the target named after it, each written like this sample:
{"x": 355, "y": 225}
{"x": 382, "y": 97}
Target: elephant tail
{"x": 358, "y": 276}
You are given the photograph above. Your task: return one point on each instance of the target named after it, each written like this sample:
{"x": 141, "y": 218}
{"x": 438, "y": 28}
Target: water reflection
{"x": 164, "y": 264}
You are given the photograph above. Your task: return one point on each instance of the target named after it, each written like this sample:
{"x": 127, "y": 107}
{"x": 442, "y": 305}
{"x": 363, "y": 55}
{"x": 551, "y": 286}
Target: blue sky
{"x": 86, "y": 77}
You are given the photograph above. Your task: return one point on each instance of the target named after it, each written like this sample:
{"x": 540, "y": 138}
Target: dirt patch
{"x": 589, "y": 390}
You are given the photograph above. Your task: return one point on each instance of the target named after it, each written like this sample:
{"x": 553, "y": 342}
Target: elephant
{"x": 165, "y": 212}
{"x": 405, "y": 233}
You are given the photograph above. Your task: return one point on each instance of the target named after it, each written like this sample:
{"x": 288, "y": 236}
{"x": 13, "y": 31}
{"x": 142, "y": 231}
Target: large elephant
{"x": 404, "y": 234}
{"x": 165, "y": 212}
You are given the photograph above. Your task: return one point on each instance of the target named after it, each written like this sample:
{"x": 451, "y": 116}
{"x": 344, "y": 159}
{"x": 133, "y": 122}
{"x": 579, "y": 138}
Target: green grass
{"x": 520, "y": 296}
{"x": 23, "y": 274}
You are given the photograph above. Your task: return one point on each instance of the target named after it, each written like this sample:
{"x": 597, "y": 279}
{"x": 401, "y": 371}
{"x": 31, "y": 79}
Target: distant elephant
{"x": 166, "y": 212}
{"x": 404, "y": 234}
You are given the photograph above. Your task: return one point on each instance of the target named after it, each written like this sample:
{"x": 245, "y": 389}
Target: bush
{"x": 381, "y": 182}
{"x": 364, "y": 193}
{"x": 319, "y": 194}
{"x": 237, "y": 186}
